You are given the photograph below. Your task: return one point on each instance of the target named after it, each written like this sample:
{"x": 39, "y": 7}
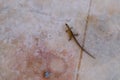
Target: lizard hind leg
{"x": 76, "y": 34}
{"x": 70, "y": 38}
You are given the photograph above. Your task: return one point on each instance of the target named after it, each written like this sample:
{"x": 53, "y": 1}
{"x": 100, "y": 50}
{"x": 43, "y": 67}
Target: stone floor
{"x": 35, "y": 46}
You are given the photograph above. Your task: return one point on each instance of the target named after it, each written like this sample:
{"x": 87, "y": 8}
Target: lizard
{"x": 72, "y": 35}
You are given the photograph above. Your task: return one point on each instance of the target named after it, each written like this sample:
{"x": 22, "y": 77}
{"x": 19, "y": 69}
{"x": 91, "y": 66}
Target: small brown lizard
{"x": 72, "y": 35}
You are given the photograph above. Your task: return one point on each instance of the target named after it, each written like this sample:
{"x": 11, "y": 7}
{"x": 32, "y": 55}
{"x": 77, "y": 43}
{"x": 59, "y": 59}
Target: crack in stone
{"x": 85, "y": 33}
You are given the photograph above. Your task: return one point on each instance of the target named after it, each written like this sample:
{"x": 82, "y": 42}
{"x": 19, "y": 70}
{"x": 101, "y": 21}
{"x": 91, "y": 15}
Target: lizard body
{"x": 72, "y": 35}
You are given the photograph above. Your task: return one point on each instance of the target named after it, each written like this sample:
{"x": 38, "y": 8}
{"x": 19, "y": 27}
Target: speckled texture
{"x": 103, "y": 40}
{"x": 33, "y": 39}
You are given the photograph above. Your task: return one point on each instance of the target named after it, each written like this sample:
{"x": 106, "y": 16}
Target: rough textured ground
{"x": 35, "y": 46}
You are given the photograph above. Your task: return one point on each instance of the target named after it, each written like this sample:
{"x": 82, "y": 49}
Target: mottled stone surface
{"x": 35, "y": 46}
{"x": 103, "y": 40}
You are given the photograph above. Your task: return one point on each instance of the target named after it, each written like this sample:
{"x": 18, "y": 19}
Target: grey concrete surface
{"x": 23, "y": 20}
